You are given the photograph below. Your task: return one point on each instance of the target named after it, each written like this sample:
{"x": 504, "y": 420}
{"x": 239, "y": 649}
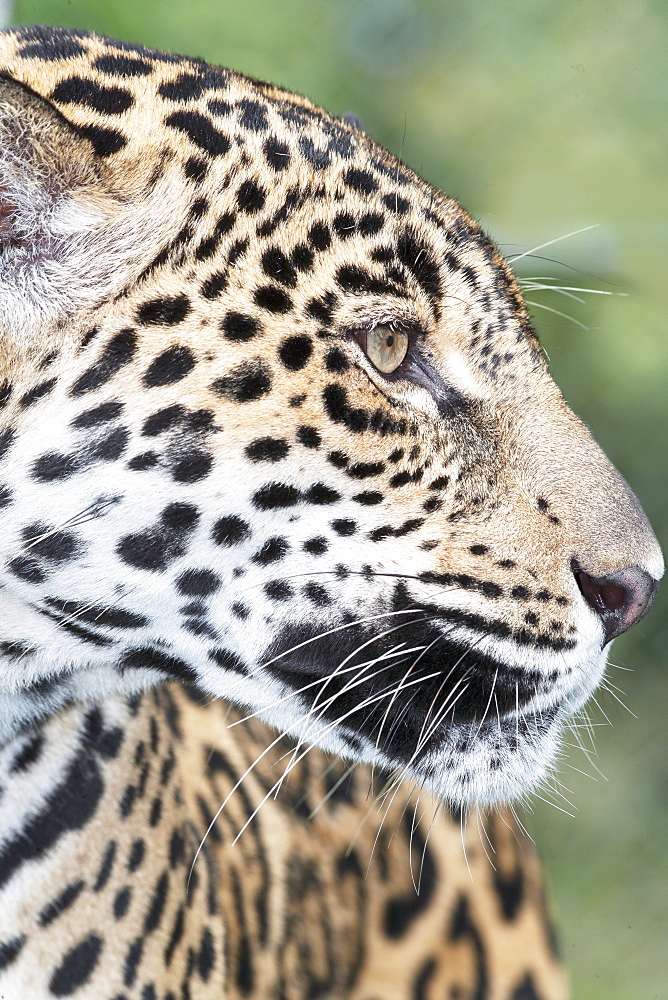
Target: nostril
{"x": 619, "y": 599}
{"x": 602, "y": 597}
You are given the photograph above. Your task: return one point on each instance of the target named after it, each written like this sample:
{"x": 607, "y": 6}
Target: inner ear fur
{"x": 39, "y": 149}
{"x": 71, "y": 233}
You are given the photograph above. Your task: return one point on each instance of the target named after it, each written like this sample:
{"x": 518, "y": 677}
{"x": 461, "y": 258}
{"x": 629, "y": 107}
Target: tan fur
{"x": 327, "y": 872}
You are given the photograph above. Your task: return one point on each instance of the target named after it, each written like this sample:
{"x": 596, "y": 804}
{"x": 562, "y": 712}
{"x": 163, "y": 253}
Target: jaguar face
{"x": 276, "y": 423}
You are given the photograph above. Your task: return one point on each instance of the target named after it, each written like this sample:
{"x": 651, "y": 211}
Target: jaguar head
{"x": 276, "y": 423}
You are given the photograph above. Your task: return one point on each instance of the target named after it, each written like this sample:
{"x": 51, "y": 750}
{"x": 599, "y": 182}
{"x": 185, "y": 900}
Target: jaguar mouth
{"x": 422, "y": 697}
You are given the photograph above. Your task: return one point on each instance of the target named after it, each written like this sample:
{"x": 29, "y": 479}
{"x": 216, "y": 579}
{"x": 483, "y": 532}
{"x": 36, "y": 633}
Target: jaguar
{"x": 305, "y": 562}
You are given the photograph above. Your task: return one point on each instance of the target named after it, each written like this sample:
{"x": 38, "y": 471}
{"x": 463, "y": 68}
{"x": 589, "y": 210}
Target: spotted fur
{"x": 204, "y": 479}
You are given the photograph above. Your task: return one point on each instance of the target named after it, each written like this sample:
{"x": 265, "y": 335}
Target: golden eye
{"x": 385, "y": 347}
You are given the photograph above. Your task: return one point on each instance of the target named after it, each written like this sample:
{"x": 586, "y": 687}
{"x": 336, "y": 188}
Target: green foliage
{"x": 542, "y": 118}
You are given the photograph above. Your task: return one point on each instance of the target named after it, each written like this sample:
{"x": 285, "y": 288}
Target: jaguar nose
{"x": 620, "y": 599}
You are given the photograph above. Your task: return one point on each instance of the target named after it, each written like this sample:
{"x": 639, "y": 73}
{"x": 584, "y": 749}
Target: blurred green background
{"x": 542, "y": 118}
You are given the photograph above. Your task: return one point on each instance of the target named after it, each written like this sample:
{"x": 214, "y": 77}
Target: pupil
{"x": 389, "y": 340}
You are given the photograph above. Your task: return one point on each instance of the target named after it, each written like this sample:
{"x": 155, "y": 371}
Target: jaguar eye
{"x": 385, "y": 347}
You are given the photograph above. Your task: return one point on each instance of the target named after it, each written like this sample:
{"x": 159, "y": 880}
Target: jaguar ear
{"x": 52, "y": 201}
{"x": 70, "y": 233}
{"x": 41, "y": 153}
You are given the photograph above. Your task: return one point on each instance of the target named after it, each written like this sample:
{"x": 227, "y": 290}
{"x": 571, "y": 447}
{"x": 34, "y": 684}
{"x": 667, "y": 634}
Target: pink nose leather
{"x": 620, "y": 599}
